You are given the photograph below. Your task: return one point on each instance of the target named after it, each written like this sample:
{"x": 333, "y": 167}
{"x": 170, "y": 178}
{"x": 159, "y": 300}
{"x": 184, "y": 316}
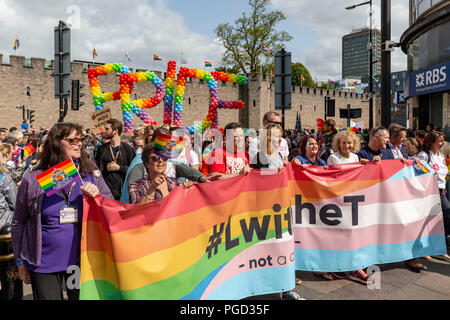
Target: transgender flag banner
{"x": 247, "y": 235}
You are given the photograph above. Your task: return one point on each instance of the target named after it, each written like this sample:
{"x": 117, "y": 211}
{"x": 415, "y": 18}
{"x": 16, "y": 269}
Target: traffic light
{"x": 30, "y": 115}
{"x": 76, "y": 95}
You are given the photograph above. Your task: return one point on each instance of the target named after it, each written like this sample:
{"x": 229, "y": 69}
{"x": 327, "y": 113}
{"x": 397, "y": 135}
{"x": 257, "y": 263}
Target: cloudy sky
{"x": 175, "y": 29}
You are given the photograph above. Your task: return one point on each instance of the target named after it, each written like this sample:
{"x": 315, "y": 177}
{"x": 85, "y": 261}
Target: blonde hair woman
{"x": 345, "y": 146}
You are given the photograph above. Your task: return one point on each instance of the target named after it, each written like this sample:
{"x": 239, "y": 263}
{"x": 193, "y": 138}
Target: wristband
{"x": 19, "y": 262}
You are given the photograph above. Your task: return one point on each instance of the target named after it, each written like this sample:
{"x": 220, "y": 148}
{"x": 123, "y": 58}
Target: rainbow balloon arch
{"x": 173, "y": 96}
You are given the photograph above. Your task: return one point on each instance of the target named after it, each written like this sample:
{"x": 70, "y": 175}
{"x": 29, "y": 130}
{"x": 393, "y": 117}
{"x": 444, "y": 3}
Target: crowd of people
{"x": 41, "y": 234}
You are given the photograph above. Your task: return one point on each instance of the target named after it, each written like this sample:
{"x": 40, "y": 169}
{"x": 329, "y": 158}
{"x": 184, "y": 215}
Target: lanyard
{"x": 65, "y": 195}
{"x": 112, "y": 153}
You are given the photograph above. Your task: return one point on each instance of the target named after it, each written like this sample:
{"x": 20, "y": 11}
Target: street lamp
{"x": 370, "y": 59}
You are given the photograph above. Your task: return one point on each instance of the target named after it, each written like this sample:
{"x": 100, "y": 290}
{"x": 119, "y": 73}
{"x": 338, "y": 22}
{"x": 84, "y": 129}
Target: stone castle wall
{"x": 15, "y": 78}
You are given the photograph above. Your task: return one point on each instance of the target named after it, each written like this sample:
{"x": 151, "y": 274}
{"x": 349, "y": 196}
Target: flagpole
{"x": 78, "y": 172}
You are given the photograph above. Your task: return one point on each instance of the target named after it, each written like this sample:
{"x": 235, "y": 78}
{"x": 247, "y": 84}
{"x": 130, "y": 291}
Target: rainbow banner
{"x": 246, "y": 236}
{"x": 208, "y": 64}
{"x": 57, "y": 177}
{"x": 156, "y": 58}
{"x": 168, "y": 146}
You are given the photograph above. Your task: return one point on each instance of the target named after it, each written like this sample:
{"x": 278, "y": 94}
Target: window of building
{"x": 27, "y": 62}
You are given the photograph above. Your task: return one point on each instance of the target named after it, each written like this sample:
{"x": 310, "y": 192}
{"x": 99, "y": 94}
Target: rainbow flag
{"x": 420, "y": 167}
{"x": 247, "y": 235}
{"x": 208, "y": 64}
{"x": 156, "y": 58}
{"x": 347, "y": 129}
{"x": 267, "y": 50}
{"x": 28, "y": 150}
{"x": 168, "y": 146}
{"x": 94, "y": 53}
{"x": 16, "y": 44}
{"x": 57, "y": 177}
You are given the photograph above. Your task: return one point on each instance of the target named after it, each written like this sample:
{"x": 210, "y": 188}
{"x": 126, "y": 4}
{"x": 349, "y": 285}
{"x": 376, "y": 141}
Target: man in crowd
{"x": 376, "y": 148}
{"x": 114, "y": 157}
{"x": 270, "y": 117}
{"x": 3, "y": 133}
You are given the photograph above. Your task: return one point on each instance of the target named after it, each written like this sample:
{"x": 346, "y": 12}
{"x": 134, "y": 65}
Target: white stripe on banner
{"x": 358, "y": 215}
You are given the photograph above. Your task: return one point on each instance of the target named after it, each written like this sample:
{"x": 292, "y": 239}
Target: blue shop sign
{"x": 429, "y": 80}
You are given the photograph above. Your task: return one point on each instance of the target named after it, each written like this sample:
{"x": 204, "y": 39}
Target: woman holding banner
{"x": 309, "y": 149}
{"x": 433, "y": 145}
{"x": 46, "y": 229}
{"x": 156, "y": 185}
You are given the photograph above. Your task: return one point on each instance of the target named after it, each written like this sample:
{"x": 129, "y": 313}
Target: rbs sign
{"x": 433, "y": 79}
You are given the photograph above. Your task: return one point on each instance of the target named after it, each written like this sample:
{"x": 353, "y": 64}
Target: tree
{"x": 297, "y": 70}
{"x": 244, "y": 39}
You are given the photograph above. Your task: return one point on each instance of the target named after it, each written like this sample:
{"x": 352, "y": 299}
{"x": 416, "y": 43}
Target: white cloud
{"x": 329, "y": 20}
{"x": 112, "y": 27}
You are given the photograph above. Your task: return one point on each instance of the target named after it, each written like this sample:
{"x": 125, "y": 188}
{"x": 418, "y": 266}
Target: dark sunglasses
{"x": 156, "y": 158}
{"x": 75, "y": 141}
{"x": 274, "y": 122}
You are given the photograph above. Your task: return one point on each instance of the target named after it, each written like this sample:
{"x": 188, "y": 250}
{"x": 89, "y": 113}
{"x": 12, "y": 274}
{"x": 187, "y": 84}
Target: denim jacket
{"x": 26, "y": 229}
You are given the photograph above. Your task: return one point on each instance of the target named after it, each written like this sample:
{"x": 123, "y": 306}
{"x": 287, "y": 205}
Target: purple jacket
{"x": 26, "y": 227}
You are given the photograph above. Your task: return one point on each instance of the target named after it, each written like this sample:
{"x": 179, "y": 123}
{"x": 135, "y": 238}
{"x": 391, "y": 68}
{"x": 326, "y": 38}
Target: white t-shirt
{"x": 254, "y": 148}
{"x": 182, "y": 158}
{"x": 437, "y": 162}
{"x": 337, "y": 158}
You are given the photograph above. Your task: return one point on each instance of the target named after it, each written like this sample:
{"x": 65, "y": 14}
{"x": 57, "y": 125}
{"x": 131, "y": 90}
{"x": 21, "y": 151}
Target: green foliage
{"x": 243, "y": 40}
{"x": 297, "y": 70}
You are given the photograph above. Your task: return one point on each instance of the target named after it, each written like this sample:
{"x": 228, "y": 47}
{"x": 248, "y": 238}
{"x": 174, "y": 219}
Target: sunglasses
{"x": 156, "y": 158}
{"x": 274, "y": 122}
{"x": 74, "y": 141}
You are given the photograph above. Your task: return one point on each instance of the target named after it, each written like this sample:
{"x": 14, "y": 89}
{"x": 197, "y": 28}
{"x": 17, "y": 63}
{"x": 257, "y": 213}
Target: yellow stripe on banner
{"x": 206, "y": 216}
{"x": 162, "y": 264}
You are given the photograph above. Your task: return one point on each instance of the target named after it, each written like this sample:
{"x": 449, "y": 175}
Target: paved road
{"x": 397, "y": 283}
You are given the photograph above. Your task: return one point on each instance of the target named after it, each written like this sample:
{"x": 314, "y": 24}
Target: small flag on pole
{"x": 184, "y": 61}
{"x": 267, "y": 50}
{"x": 94, "y": 53}
{"x": 303, "y": 78}
{"x": 156, "y": 58}
{"x": 58, "y": 177}
{"x": 16, "y": 44}
{"x": 28, "y": 150}
{"x": 208, "y": 64}
{"x": 128, "y": 56}
{"x": 168, "y": 146}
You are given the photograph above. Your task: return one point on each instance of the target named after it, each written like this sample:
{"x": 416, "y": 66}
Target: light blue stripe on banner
{"x": 197, "y": 293}
{"x": 349, "y": 260}
{"x": 256, "y": 282}
{"x": 409, "y": 172}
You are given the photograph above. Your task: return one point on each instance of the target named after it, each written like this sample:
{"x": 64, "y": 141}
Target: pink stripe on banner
{"x": 339, "y": 239}
{"x": 241, "y": 262}
{"x": 389, "y": 192}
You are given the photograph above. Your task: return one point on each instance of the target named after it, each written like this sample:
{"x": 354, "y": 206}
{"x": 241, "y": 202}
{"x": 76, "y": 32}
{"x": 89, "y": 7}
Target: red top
{"x": 223, "y": 162}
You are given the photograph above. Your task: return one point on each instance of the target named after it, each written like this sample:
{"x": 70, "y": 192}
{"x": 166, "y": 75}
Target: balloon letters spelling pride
{"x": 173, "y": 97}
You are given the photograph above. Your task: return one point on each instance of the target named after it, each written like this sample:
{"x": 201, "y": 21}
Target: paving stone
{"x": 320, "y": 284}
{"x": 436, "y": 282}
{"x": 356, "y": 291}
{"x": 399, "y": 276}
{"x": 415, "y": 292}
